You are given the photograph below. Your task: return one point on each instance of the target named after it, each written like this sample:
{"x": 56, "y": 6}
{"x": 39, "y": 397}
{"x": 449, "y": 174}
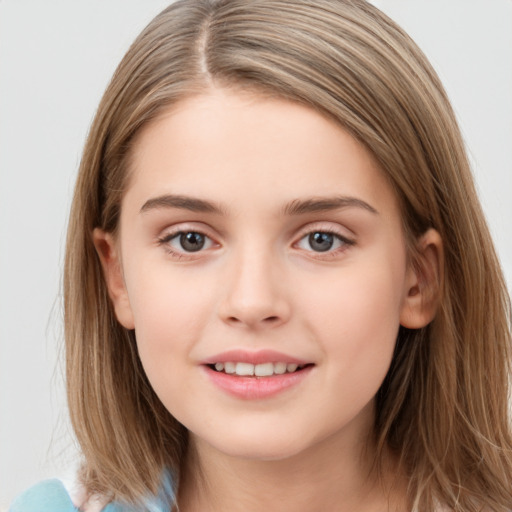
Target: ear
{"x": 423, "y": 281}
{"x": 108, "y": 252}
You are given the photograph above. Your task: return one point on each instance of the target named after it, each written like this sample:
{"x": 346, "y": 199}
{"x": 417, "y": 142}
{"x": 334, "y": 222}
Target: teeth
{"x": 244, "y": 369}
{"x": 264, "y": 370}
{"x": 229, "y": 367}
{"x": 279, "y": 368}
{"x": 259, "y": 370}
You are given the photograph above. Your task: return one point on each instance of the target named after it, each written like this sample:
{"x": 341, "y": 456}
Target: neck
{"x": 337, "y": 475}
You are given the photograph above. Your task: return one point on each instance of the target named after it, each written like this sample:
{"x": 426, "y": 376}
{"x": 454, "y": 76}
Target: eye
{"x": 322, "y": 241}
{"x": 187, "y": 241}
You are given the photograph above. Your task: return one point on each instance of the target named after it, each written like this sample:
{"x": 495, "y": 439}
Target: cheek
{"x": 170, "y": 312}
{"x": 357, "y": 320}
{"x": 357, "y": 335}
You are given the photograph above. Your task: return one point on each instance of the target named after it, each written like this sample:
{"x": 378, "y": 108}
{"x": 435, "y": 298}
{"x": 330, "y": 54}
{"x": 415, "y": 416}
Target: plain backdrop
{"x": 56, "y": 57}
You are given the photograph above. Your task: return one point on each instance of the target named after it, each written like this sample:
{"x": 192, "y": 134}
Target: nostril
{"x": 267, "y": 320}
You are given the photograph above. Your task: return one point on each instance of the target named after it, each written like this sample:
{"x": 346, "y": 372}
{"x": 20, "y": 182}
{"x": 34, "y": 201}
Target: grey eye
{"x": 191, "y": 241}
{"x": 186, "y": 242}
{"x": 321, "y": 242}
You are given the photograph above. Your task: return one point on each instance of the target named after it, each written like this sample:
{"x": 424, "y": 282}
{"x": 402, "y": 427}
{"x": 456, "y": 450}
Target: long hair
{"x": 443, "y": 407}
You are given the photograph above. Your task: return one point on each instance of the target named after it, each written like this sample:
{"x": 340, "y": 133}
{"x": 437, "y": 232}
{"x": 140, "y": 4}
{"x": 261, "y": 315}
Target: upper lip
{"x": 257, "y": 357}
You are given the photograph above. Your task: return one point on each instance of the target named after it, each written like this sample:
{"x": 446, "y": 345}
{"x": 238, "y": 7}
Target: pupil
{"x": 191, "y": 241}
{"x": 321, "y": 242}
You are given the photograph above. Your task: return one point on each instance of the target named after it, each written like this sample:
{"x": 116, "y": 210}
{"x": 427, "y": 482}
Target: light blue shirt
{"x": 52, "y": 496}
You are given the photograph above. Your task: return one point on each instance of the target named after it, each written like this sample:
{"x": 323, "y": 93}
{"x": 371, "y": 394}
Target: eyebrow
{"x": 324, "y": 204}
{"x": 182, "y": 202}
{"x": 295, "y": 207}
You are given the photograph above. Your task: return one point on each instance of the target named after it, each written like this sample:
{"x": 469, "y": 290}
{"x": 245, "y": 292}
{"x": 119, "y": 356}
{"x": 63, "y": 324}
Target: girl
{"x": 280, "y": 292}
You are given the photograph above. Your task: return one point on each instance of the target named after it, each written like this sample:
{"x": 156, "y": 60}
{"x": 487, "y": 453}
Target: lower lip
{"x": 256, "y": 388}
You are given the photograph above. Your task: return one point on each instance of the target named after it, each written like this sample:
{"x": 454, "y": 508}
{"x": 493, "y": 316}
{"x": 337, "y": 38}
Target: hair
{"x": 444, "y": 405}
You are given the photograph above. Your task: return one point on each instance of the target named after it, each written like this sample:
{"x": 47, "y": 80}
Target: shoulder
{"x": 46, "y": 496}
{"x": 52, "y": 496}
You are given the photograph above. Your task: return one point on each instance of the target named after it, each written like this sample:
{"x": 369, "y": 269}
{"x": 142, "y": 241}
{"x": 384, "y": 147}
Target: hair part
{"x": 443, "y": 407}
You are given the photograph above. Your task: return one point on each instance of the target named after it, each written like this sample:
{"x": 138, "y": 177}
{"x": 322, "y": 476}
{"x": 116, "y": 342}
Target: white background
{"x": 56, "y": 58}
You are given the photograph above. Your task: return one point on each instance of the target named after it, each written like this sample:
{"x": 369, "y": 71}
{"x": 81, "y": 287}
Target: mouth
{"x": 256, "y": 375}
{"x": 269, "y": 369}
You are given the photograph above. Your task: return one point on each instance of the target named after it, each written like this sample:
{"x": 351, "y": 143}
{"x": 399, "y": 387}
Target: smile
{"x": 256, "y": 375}
{"x": 256, "y": 370}
{"x": 250, "y": 377}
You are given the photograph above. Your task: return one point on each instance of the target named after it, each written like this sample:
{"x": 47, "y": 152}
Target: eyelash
{"x": 329, "y": 253}
{"x": 345, "y": 242}
{"x": 169, "y": 237}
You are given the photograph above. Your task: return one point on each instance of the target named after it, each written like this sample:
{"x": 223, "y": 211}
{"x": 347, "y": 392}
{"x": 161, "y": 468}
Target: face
{"x": 261, "y": 261}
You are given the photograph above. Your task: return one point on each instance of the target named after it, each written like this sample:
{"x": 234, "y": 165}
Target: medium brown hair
{"x": 443, "y": 407}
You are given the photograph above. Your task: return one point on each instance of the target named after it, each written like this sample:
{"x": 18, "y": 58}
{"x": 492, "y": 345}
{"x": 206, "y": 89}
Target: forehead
{"x": 247, "y": 149}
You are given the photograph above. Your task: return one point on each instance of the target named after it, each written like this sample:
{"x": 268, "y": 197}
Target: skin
{"x": 259, "y": 283}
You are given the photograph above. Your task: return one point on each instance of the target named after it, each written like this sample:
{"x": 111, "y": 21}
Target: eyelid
{"x": 325, "y": 227}
{"x": 180, "y": 227}
{"x": 172, "y": 232}
{"x": 335, "y": 229}
{"x": 169, "y": 238}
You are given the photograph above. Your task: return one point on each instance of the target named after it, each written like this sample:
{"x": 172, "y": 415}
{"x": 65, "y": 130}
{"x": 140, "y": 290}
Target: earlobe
{"x": 108, "y": 253}
{"x": 423, "y": 282}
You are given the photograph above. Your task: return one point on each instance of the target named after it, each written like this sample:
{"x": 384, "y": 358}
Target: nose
{"x": 255, "y": 295}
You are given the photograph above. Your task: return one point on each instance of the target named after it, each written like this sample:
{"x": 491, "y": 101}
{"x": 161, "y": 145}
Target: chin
{"x": 260, "y": 448}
